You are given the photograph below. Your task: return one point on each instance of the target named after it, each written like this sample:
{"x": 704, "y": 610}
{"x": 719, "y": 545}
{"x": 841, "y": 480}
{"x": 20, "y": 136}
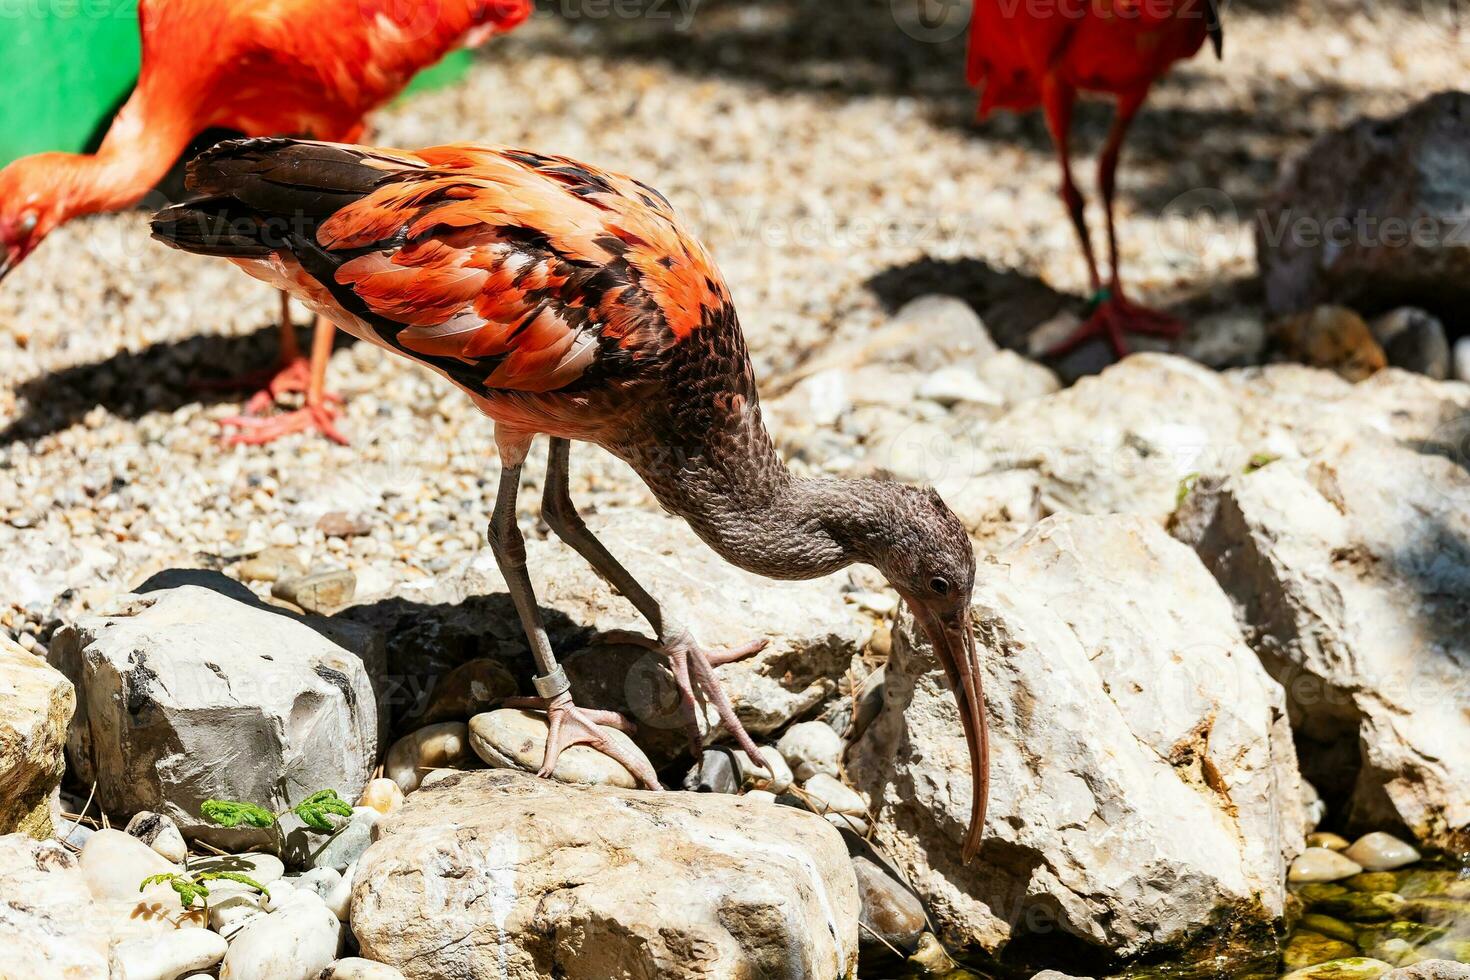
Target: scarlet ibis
{"x": 304, "y": 67}
{"x": 1024, "y": 54}
{"x": 570, "y": 301}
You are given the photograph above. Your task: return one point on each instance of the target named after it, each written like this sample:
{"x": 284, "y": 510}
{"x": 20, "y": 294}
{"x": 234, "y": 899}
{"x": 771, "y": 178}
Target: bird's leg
{"x": 321, "y": 409}
{"x": 1058, "y": 98}
{"x": 693, "y": 667}
{"x": 1125, "y": 316}
{"x": 568, "y": 724}
{"x": 287, "y": 374}
{"x": 1111, "y": 315}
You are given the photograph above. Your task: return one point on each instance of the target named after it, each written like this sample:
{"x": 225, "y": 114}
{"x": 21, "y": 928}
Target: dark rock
{"x": 1373, "y": 216}
{"x": 1414, "y": 339}
{"x": 717, "y": 772}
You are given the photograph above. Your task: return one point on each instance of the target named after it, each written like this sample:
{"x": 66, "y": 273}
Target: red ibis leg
{"x": 1113, "y": 315}
{"x": 693, "y": 666}
{"x": 319, "y": 413}
{"x": 569, "y": 724}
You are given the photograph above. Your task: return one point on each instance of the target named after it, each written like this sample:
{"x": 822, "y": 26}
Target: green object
{"x": 70, "y": 65}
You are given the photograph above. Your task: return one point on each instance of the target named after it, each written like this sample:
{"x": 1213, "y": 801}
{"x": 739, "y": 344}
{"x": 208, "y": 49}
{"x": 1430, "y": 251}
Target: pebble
{"x": 261, "y": 867}
{"x": 113, "y": 863}
{"x": 296, "y": 942}
{"x": 931, "y": 958}
{"x": 1414, "y": 340}
{"x": 1381, "y": 852}
{"x": 339, "y": 524}
{"x": 777, "y": 779}
{"x": 318, "y": 591}
{"x": 1308, "y": 949}
{"x": 1461, "y": 358}
{"x": 829, "y": 794}
{"x": 867, "y": 702}
{"x": 357, "y": 968}
{"x": 333, "y": 887}
{"x": 445, "y": 745}
{"x": 469, "y": 689}
{"x": 382, "y": 794}
{"x": 1326, "y": 925}
{"x": 348, "y": 841}
{"x": 888, "y": 908}
{"x": 715, "y": 773}
{"x": 1331, "y": 841}
{"x": 810, "y": 747}
{"x": 230, "y": 910}
{"x": 160, "y": 833}
{"x": 513, "y": 739}
{"x": 1320, "y": 864}
{"x": 760, "y": 796}
{"x": 1349, "y": 968}
{"x": 1314, "y": 808}
{"x": 169, "y": 955}
{"x": 952, "y": 386}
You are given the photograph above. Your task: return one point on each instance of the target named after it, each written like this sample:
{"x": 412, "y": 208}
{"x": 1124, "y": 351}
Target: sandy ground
{"x": 828, "y": 154}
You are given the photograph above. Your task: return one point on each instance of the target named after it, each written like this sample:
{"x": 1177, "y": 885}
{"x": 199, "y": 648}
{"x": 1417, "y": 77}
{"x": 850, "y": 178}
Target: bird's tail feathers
{"x": 219, "y": 226}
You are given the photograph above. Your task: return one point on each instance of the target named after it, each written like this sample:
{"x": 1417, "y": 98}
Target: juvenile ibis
{"x": 569, "y": 301}
{"x": 303, "y": 67}
{"x": 1026, "y": 54}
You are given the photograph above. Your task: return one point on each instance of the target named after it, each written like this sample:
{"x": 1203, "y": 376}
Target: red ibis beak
{"x": 954, "y": 645}
{"x": 8, "y": 261}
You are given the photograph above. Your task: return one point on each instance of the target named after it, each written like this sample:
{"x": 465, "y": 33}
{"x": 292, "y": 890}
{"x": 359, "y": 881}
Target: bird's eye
{"x": 939, "y": 585}
{"x": 28, "y": 222}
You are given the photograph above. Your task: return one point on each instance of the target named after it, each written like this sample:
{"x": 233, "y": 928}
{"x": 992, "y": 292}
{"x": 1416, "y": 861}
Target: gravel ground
{"x": 828, "y": 157}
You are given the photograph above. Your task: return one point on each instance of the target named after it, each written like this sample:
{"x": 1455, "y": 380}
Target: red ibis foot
{"x": 693, "y": 668}
{"x": 258, "y": 430}
{"x": 570, "y": 725}
{"x": 291, "y": 374}
{"x": 1114, "y": 318}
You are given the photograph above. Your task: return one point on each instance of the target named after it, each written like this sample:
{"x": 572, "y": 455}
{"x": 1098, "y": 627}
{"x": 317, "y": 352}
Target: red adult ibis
{"x": 569, "y": 301}
{"x": 1025, "y": 53}
{"x": 304, "y": 67}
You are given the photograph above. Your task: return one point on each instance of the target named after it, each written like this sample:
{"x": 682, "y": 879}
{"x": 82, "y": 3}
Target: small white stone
{"x": 169, "y": 954}
{"x": 261, "y": 867}
{"x": 159, "y": 833}
{"x": 811, "y": 747}
{"x": 829, "y": 794}
{"x": 953, "y": 385}
{"x": 760, "y": 796}
{"x": 776, "y": 779}
{"x": 298, "y": 941}
{"x": 445, "y": 745}
{"x": 509, "y": 738}
{"x": 1329, "y": 840}
{"x": 1462, "y": 359}
{"x": 357, "y": 968}
{"x": 328, "y": 885}
{"x": 283, "y": 535}
{"x": 1381, "y": 852}
{"x": 1321, "y": 864}
{"x": 383, "y": 795}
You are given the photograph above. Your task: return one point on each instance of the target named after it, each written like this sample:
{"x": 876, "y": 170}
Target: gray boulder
{"x": 499, "y": 873}
{"x": 186, "y": 694}
{"x": 1143, "y": 778}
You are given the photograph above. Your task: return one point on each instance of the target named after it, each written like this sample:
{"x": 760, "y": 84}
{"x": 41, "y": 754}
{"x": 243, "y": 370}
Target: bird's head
{"x": 923, "y": 550}
{"x": 30, "y": 207}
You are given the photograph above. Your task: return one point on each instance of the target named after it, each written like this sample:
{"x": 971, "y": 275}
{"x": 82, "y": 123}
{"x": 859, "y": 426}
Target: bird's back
{"x": 565, "y": 298}
{"x": 1113, "y": 46}
{"x": 307, "y": 67}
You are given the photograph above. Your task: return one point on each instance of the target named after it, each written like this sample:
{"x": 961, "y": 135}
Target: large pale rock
{"x": 187, "y": 694}
{"x": 114, "y": 866}
{"x": 1143, "y": 778}
{"x": 1352, "y": 575}
{"x": 48, "y": 925}
{"x": 813, "y": 633}
{"x": 36, "y": 702}
{"x": 1372, "y": 216}
{"x": 502, "y": 874}
{"x": 1129, "y": 439}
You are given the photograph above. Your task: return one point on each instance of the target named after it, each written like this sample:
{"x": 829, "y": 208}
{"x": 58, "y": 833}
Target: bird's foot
{"x": 693, "y": 668}
{"x": 570, "y": 725}
{"x": 271, "y": 382}
{"x": 1113, "y": 317}
{"x": 257, "y": 430}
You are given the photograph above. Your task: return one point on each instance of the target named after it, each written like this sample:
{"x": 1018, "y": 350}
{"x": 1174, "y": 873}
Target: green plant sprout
{"x": 192, "y": 884}
{"x": 315, "y": 811}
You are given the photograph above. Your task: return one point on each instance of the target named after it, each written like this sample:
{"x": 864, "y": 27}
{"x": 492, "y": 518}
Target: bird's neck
{"x": 135, "y": 155}
{"x": 732, "y": 487}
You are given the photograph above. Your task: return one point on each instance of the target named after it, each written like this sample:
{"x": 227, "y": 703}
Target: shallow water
{"x": 1418, "y": 912}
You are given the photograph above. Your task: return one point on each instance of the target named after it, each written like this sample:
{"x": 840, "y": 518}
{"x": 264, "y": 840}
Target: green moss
{"x": 1310, "y": 948}
{"x": 1373, "y": 881}
{"x": 1326, "y": 925}
{"x": 1424, "y": 882}
{"x": 1319, "y": 891}
{"x": 1350, "y": 968}
{"x": 1363, "y": 906}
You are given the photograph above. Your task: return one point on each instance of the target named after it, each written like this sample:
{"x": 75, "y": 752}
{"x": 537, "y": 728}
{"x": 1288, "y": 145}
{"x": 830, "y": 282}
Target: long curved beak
{"x": 954, "y": 645}
{"x": 7, "y": 262}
